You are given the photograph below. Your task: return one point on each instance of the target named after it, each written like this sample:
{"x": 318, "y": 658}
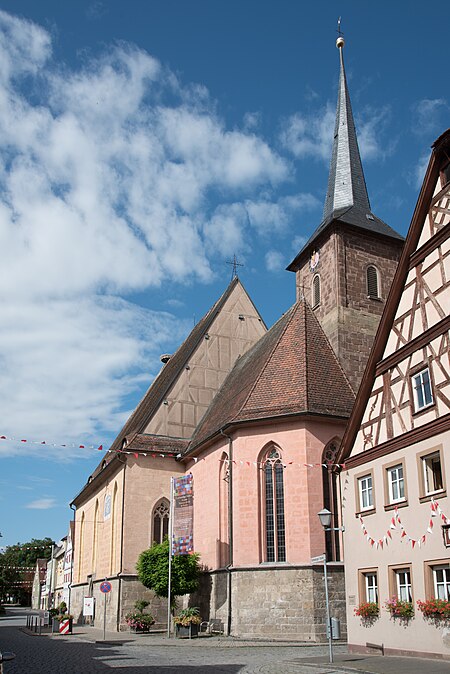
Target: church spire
{"x": 346, "y": 183}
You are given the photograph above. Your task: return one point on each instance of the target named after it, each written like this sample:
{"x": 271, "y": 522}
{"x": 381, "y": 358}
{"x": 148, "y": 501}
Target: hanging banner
{"x": 183, "y": 515}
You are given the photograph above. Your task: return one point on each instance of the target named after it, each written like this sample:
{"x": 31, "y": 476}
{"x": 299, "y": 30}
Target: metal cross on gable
{"x": 235, "y": 264}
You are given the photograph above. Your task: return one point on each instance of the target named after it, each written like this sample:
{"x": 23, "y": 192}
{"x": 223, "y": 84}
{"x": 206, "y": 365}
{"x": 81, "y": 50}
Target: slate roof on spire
{"x": 347, "y": 199}
{"x": 291, "y": 370}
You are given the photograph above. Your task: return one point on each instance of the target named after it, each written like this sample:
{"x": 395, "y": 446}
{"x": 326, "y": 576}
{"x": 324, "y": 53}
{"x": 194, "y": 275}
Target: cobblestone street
{"x": 85, "y": 653}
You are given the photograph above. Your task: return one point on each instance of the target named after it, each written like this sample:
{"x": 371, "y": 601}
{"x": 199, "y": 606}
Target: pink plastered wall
{"x": 300, "y": 442}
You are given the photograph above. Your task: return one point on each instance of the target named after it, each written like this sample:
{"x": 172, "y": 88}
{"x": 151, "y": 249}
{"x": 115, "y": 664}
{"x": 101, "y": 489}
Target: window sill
{"x": 425, "y": 408}
{"x": 363, "y": 513}
{"x": 392, "y": 506}
{"x": 436, "y": 494}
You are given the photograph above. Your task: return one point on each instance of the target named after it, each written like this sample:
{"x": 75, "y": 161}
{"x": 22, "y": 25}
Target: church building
{"x": 257, "y": 417}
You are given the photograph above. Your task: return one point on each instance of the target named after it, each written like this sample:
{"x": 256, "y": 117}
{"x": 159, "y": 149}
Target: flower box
{"x": 187, "y": 631}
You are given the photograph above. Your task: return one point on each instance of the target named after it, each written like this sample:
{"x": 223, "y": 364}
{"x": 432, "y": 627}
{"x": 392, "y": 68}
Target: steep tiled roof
{"x": 158, "y": 390}
{"x": 291, "y": 370}
{"x": 159, "y": 444}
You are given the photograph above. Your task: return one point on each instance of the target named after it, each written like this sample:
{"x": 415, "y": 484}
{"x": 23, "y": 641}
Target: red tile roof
{"x": 291, "y": 370}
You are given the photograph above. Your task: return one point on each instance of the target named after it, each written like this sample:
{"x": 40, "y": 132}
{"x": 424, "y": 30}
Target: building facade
{"x": 257, "y": 417}
{"x": 396, "y": 448}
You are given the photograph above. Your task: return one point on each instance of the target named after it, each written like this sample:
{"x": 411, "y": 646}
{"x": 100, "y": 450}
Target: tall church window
{"x": 274, "y": 508}
{"x": 316, "y": 291}
{"x": 330, "y": 498}
{"x": 372, "y": 282}
{"x": 160, "y": 519}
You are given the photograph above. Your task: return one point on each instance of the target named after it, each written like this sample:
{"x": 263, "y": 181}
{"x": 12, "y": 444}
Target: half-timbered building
{"x": 396, "y": 447}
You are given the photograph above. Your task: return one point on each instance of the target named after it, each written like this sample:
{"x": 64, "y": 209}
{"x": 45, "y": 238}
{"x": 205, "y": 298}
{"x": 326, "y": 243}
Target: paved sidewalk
{"x": 343, "y": 662}
{"x": 294, "y": 657}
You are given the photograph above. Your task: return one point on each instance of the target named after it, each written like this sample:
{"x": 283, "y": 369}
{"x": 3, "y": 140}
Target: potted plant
{"x": 137, "y": 620}
{"x": 63, "y": 616}
{"x": 187, "y": 622}
{"x": 437, "y": 610}
{"x": 400, "y": 609}
{"x": 53, "y": 613}
{"x": 368, "y": 611}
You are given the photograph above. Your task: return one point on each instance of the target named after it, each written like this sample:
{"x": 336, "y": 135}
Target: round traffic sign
{"x": 105, "y": 587}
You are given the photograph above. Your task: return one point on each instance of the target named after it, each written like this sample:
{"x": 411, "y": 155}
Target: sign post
{"x": 105, "y": 587}
{"x": 322, "y": 559}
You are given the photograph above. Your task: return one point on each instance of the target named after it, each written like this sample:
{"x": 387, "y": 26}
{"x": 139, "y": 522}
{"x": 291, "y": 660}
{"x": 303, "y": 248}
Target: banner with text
{"x": 183, "y": 515}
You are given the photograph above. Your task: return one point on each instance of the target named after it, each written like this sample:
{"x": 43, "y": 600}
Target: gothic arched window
{"x": 330, "y": 498}
{"x": 160, "y": 521}
{"x": 275, "y": 537}
{"x": 316, "y": 291}
{"x": 372, "y": 282}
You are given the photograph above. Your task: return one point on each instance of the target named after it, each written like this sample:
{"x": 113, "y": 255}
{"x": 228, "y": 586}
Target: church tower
{"x": 345, "y": 269}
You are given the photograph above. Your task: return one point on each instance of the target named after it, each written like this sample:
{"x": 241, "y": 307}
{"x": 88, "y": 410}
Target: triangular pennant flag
{"x": 385, "y": 538}
{"x": 380, "y": 543}
{"x": 389, "y": 534}
{"x": 424, "y": 538}
{"x": 403, "y": 534}
{"x": 136, "y": 455}
{"x": 413, "y": 542}
{"x": 196, "y": 459}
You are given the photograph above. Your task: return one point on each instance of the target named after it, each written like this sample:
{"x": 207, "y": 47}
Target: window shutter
{"x": 316, "y": 291}
{"x": 372, "y": 282}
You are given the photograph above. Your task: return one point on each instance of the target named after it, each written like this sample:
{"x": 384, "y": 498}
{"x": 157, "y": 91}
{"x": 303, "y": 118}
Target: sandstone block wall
{"x": 274, "y": 603}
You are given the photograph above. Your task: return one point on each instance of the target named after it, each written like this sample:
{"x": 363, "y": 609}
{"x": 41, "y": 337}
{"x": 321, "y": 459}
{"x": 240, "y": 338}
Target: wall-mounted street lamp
{"x": 325, "y": 517}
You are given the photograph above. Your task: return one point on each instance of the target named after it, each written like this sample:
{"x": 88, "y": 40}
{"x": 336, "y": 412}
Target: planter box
{"x": 187, "y": 631}
{"x": 140, "y": 630}
{"x": 65, "y": 626}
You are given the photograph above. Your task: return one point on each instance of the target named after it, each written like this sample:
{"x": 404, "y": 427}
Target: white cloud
{"x": 42, "y": 504}
{"x": 106, "y": 177}
{"x": 418, "y": 174}
{"x": 275, "y": 261}
{"x": 309, "y": 135}
{"x": 429, "y": 115}
{"x": 372, "y": 139}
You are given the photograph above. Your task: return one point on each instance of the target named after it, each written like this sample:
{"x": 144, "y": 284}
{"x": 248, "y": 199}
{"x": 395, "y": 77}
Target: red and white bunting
{"x": 397, "y": 525}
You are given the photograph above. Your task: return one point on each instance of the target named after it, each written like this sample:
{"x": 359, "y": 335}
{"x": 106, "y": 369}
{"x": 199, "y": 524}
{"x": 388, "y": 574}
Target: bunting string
{"x": 51, "y": 444}
{"x": 397, "y": 525}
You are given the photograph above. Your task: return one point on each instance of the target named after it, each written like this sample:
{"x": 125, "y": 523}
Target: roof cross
{"x": 235, "y": 264}
{"x": 339, "y": 32}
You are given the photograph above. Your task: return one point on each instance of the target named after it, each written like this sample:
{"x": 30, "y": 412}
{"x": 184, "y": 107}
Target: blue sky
{"x": 143, "y": 144}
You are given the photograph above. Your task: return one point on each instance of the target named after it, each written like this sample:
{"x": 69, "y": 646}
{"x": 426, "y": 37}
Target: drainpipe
{"x": 230, "y": 524}
{"x": 119, "y": 591}
{"x": 72, "y": 507}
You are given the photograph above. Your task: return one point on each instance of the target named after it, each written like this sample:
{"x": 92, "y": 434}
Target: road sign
{"x": 320, "y": 559}
{"x": 105, "y": 587}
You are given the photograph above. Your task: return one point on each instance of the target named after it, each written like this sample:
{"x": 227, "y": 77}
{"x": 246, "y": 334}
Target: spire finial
{"x": 340, "y": 41}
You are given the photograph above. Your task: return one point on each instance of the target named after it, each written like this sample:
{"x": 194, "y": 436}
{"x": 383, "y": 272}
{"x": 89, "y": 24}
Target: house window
{"x": 372, "y": 282}
{"x": 441, "y": 581}
{"x": 365, "y": 492}
{"x": 432, "y": 473}
{"x": 371, "y": 586}
{"x": 274, "y": 508}
{"x": 403, "y": 584}
{"x": 316, "y": 291}
{"x": 161, "y": 514}
{"x": 421, "y": 384}
{"x": 396, "y": 484}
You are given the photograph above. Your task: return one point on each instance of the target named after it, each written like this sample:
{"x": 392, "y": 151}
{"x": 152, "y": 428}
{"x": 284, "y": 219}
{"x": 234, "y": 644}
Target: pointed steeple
{"x": 346, "y": 183}
{"x": 347, "y": 200}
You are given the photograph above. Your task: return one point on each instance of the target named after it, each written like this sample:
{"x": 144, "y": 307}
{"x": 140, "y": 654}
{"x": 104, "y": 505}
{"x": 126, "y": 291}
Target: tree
{"x": 21, "y": 555}
{"x": 153, "y": 571}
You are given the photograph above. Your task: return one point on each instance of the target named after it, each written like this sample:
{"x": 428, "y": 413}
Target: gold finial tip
{"x": 340, "y": 42}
